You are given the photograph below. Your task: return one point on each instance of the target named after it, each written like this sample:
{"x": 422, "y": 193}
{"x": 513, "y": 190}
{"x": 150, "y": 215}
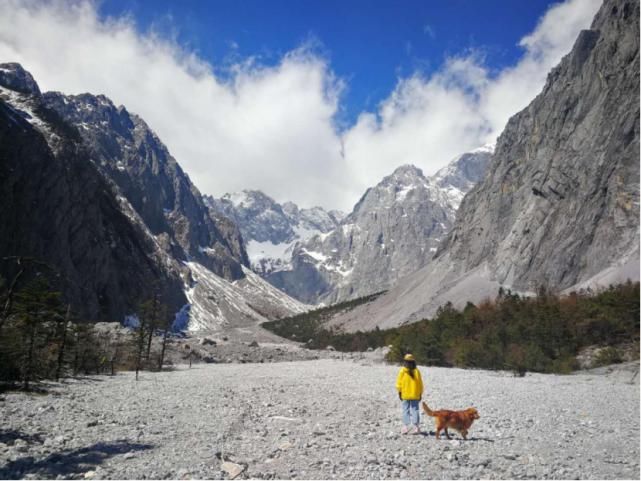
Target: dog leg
{"x": 464, "y": 434}
{"x": 438, "y": 432}
{"x": 447, "y": 434}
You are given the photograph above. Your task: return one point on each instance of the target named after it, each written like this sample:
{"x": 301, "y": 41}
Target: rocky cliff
{"x": 131, "y": 155}
{"x": 559, "y": 204}
{"x": 58, "y": 208}
{"x": 90, "y": 189}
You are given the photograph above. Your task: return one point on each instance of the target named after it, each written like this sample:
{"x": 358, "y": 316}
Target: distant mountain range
{"x": 394, "y": 230}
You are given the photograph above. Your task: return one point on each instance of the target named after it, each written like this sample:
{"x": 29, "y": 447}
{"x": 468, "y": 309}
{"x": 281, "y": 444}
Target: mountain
{"x": 90, "y": 189}
{"x": 559, "y": 204}
{"x": 127, "y": 152}
{"x": 392, "y": 231}
{"x": 271, "y": 230}
{"x": 57, "y": 207}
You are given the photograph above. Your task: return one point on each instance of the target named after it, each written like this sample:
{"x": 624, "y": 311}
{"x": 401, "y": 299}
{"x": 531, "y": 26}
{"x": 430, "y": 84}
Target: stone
{"x": 233, "y": 470}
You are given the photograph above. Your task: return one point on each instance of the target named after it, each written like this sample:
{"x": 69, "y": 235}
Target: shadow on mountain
{"x": 67, "y": 462}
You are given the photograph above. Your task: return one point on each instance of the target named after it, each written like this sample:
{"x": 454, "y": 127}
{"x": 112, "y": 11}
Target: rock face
{"x": 559, "y": 204}
{"x": 90, "y": 189}
{"x": 130, "y": 154}
{"x": 392, "y": 231}
{"x": 57, "y": 207}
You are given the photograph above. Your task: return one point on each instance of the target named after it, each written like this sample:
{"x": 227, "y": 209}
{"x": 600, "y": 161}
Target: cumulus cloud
{"x": 429, "y": 121}
{"x": 274, "y": 127}
{"x": 260, "y": 127}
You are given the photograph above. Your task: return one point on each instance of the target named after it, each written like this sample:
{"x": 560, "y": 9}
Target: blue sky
{"x": 369, "y": 43}
{"x": 309, "y": 101}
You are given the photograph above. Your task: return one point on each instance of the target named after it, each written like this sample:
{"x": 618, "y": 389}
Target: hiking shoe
{"x": 404, "y": 430}
{"x": 415, "y": 430}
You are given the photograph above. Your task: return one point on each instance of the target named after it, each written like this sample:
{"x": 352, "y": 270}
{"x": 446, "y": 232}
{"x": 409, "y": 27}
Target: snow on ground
{"x": 269, "y": 257}
{"x": 24, "y": 105}
{"x": 328, "y": 419}
{"x": 278, "y": 255}
{"x": 317, "y": 256}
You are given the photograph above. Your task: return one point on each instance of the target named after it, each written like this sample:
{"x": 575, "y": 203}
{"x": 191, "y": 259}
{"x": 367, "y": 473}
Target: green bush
{"x": 608, "y": 355}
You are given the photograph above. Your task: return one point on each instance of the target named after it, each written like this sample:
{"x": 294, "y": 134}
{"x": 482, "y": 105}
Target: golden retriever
{"x": 458, "y": 420}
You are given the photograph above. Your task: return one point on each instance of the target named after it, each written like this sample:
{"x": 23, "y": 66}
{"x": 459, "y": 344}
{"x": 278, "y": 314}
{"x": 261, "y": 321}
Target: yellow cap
{"x": 408, "y": 357}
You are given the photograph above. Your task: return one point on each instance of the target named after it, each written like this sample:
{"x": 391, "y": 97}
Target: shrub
{"x": 608, "y": 355}
{"x": 541, "y": 334}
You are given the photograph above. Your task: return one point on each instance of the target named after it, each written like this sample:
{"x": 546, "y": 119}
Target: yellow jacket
{"x": 410, "y": 387}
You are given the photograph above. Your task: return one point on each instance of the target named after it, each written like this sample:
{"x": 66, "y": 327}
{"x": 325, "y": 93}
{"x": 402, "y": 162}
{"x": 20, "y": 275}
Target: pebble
{"x": 232, "y": 469}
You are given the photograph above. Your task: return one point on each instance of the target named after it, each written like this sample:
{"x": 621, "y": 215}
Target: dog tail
{"x": 427, "y": 409}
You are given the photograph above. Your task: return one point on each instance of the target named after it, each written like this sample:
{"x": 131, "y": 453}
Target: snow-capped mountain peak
{"x": 271, "y": 230}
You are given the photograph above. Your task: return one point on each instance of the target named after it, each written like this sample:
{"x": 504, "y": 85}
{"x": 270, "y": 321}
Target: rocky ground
{"x": 233, "y": 347}
{"x": 326, "y": 418}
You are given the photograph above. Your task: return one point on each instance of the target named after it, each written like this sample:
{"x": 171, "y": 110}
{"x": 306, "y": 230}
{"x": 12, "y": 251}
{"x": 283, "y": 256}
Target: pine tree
{"x": 38, "y": 309}
{"x": 167, "y": 322}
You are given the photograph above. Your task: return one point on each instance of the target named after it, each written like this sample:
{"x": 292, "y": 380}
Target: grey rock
{"x": 233, "y": 470}
{"x": 129, "y": 153}
{"x": 16, "y": 78}
{"x": 107, "y": 261}
{"x": 263, "y": 220}
{"x": 393, "y": 230}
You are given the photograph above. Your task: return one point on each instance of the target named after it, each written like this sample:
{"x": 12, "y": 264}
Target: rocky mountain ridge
{"x": 559, "y": 205}
{"x": 91, "y": 189}
{"x": 271, "y": 230}
{"x": 392, "y": 231}
{"x": 130, "y": 154}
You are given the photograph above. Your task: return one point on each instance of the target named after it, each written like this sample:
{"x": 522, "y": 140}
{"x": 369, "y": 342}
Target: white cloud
{"x": 428, "y": 121}
{"x": 268, "y": 128}
{"x": 273, "y": 128}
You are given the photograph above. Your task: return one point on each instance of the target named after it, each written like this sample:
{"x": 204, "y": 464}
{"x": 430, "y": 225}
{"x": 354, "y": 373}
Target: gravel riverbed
{"x": 326, "y": 418}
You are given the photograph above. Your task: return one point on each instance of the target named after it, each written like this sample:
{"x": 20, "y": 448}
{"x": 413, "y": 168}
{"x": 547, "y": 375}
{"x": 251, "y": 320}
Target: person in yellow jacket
{"x": 410, "y": 391}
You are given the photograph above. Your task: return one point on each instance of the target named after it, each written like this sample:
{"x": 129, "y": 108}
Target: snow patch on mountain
{"x": 217, "y": 305}
{"x": 272, "y": 231}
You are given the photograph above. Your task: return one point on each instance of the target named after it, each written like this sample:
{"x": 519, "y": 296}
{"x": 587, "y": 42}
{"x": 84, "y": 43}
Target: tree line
{"x": 542, "y": 333}
{"x": 41, "y": 337}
